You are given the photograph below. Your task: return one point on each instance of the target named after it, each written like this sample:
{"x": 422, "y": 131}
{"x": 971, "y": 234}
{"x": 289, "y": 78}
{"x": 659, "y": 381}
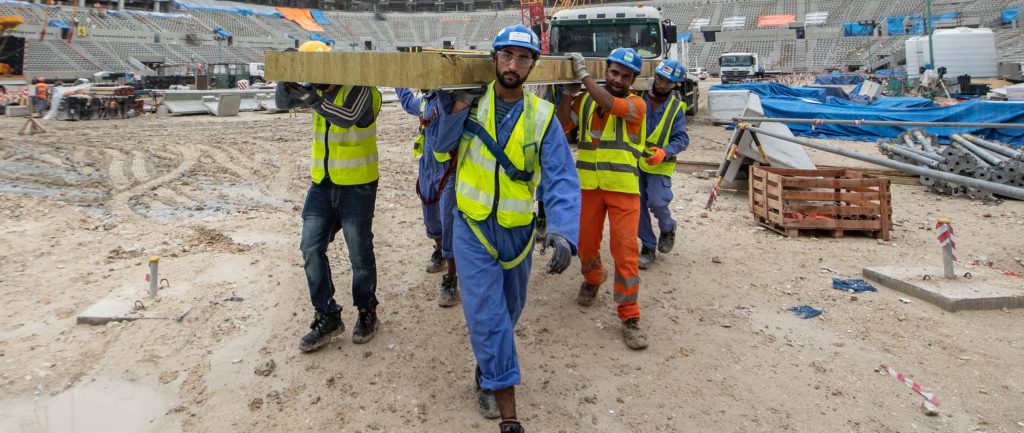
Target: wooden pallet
{"x": 791, "y": 201}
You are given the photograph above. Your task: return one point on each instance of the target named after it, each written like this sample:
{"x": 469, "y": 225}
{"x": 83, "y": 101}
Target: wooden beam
{"x": 413, "y": 70}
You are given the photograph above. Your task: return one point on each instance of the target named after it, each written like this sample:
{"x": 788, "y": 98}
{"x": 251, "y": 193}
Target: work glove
{"x": 469, "y": 95}
{"x": 579, "y": 66}
{"x": 571, "y": 89}
{"x": 657, "y": 155}
{"x": 307, "y": 95}
{"x": 563, "y": 253}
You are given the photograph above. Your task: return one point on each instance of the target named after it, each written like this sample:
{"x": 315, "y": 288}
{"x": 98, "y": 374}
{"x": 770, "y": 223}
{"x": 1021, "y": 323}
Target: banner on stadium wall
{"x": 775, "y": 20}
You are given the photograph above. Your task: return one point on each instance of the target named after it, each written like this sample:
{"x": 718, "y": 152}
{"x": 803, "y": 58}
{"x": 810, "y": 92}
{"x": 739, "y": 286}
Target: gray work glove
{"x": 579, "y": 66}
{"x": 305, "y": 94}
{"x": 563, "y": 253}
{"x": 571, "y": 89}
{"x": 469, "y": 95}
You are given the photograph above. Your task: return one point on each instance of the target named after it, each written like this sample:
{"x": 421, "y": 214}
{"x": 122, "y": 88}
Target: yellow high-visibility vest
{"x": 610, "y": 165}
{"x": 349, "y": 155}
{"x": 659, "y": 138}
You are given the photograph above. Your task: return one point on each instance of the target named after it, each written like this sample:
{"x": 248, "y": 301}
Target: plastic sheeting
{"x": 885, "y": 102}
{"x": 1010, "y": 15}
{"x": 302, "y": 17}
{"x": 775, "y": 90}
{"x": 973, "y": 111}
{"x": 321, "y": 38}
{"x": 914, "y": 24}
{"x": 319, "y": 17}
{"x": 838, "y": 78}
{"x": 775, "y": 20}
{"x": 58, "y": 24}
{"x": 854, "y": 29}
{"x": 222, "y": 33}
{"x": 685, "y": 37}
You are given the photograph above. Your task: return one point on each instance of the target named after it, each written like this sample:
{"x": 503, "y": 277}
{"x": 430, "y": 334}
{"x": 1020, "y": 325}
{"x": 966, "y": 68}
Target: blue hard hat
{"x": 627, "y": 57}
{"x": 671, "y": 70}
{"x": 517, "y": 36}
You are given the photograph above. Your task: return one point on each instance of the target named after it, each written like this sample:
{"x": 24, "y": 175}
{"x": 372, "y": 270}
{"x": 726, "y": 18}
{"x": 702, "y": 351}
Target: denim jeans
{"x": 328, "y": 209}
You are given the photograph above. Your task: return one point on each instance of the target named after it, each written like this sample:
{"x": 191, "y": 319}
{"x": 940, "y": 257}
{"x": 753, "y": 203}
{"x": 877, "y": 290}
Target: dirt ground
{"x": 218, "y": 199}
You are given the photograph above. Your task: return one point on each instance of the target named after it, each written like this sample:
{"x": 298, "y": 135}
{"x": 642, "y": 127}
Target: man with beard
{"x": 611, "y": 140}
{"x": 507, "y": 146}
{"x": 666, "y": 137}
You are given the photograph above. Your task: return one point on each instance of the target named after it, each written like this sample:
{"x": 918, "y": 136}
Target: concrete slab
{"x": 986, "y": 289}
{"x": 132, "y": 302}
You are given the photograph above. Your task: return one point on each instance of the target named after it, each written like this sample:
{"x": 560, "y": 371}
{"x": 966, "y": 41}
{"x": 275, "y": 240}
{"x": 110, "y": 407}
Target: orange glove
{"x": 657, "y": 157}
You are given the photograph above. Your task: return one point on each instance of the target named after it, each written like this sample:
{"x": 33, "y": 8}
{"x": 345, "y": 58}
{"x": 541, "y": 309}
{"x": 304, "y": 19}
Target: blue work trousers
{"x": 493, "y": 298}
{"x": 437, "y": 216}
{"x": 655, "y": 196}
{"x": 328, "y": 209}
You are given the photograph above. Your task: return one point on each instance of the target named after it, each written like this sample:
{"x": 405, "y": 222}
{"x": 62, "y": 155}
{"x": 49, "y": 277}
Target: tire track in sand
{"x": 139, "y": 170}
{"x": 119, "y": 205}
{"x": 115, "y": 172}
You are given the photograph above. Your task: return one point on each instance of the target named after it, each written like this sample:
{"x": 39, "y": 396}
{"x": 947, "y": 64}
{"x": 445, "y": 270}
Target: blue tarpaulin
{"x": 274, "y": 14}
{"x": 782, "y": 90}
{"x": 685, "y": 37}
{"x": 838, "y": 78}
{"x": 58, "y": 24}
{"x": 319, "y": 17}
{"x": 914, "y": 24}
{"x": 237, "y": 11}
{"x": 973, "y": 111}
{"x": 1010, "y": 15}
{"x": 222, "y": 33}
{"x": 854, "y": 29}
{"x": 318, "y": 37}
{"x": 886, "y": 102}
{"x": 151, "y": 14}
{"x": 852, "y": 285}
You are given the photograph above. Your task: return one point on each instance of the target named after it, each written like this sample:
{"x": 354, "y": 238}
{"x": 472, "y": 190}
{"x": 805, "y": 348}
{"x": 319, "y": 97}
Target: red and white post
{"x": 944, "y": 233}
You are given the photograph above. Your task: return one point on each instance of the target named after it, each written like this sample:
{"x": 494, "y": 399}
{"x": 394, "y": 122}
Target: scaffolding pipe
{"x": 984, "y": 185}
{"x": 926, "y": 142}
{"x": 880, "y": 123}
{"x": 911, "y": 155}
{"x": 994, "y": 147}
{"x": 977, "y": 151}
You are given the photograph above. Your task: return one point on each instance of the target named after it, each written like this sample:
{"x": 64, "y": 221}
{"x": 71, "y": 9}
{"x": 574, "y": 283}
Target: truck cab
{"x": 739, "y": 67}
{"x": 596, "y": 31}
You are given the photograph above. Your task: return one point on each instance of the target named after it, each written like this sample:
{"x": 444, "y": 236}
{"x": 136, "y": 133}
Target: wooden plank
{"x": 805, "y": 182}
{"x": 836, "y": 210}
{"x": 830, "y": 196}
{"x": 413, "y": 70}
{"x": 832, "y": 224}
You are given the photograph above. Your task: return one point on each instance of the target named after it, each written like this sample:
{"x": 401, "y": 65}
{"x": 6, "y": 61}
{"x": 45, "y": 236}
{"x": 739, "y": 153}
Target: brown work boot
{"x": 587, "y": 294}
{"x": 635, "y": 337}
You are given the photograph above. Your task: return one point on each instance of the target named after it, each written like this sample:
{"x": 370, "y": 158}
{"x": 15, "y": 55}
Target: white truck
{"x": 739, "y": 67}
{"x": 596, "y": 31}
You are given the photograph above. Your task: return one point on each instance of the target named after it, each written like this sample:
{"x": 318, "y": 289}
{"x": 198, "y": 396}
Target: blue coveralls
{"x": 437, "y": 216}
{"x": 493, "y": 298}
{"x": 656, "y": 189}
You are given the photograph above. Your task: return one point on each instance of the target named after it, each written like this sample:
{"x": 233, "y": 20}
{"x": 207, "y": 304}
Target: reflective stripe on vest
{"x": 349, "y": 154}
{"x": 482, "y": 188}
{"x": 417, "y": 146}
{"x": 660, "y": 136}
{"x": 611, "y": 163}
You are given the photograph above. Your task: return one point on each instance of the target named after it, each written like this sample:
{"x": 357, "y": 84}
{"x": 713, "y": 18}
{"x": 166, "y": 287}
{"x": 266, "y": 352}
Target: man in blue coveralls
{"x": 666, "y": 138}
{"x": 435, "y": 187}
{"x": 508, "y": 145}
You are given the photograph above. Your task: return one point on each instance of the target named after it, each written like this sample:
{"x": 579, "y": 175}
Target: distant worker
{"x": 666, "y": 138}
{"x": 508, "y": 145}
{"x": 435, "y": 187}
{"x": 40, "y": 94}
{"x": 611, "y": 140}
{"x": 342, "y": 197}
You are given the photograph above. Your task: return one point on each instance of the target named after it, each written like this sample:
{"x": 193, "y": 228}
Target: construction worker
{"x": 435, "y": 187}
{"x": 666, "y": 138}
{"x": 508, "y": 145}
{"x": 40, "y": 94}
{"x": 342, "y": 197}
{"x": 611, "y": 140}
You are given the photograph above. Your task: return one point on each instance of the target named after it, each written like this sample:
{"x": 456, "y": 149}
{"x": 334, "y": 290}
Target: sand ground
{"x": 219, "y": 199}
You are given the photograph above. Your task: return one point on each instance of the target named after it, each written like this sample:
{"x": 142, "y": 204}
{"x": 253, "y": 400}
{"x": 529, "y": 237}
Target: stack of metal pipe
{"x": 967, "y": 155}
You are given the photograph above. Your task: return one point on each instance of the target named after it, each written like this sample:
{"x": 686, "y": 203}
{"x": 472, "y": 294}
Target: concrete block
{"x": 18, "y": 111}
{"x": 986, "y": 289}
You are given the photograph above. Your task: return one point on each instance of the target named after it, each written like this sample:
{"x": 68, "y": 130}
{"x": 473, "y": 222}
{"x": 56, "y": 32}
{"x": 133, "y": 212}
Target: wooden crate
{"x": 838, "y": 201}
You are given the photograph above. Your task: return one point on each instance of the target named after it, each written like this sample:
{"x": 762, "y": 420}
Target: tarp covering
{"x": 302, "y": 17}
{"x": 838, "y": 78}
{"x": 203, "y": 7}
{"x": 319, "y": 17}
{"x": 685, "y": 37}
{"x": 914, "y": 24}
{"x": 1010, "y": 15}
{"x": 886, "y": 102}
{"x": 222, "y": 33}
{"x": 775, "y": 20}
{"x": 318, "y": 37}
{"x": 890, "y": 73}
{"x": 58, "y": 24}
{"x": 776, "y": 90}
{"x": 854, "y": 29}
{"x": 977, "y": 111}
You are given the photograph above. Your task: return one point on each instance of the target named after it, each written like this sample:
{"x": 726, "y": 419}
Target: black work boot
{"x": 486, "y": 402}
{"x": 587, "y": 293}
{"x": 666, "y": 241}
{"x": 511, "y": 426}
{"x": 436, "y": 263}
{"x": 647, "y": 257}
{"x": 449, "y": 296}
{"x": 324, "y": 327}
{"x": 366, "y": 326}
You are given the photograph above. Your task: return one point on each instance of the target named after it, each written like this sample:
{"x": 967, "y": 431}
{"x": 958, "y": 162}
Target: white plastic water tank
{"x": 961, "y": 50}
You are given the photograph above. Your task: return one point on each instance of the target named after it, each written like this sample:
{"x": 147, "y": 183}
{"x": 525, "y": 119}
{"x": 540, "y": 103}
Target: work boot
{"x": 587, "y": 294}
{"x": 436, "y": 263}
{"x": 324, "y": 327}
{"x": 366, "y": 326}
{"x": 541, "y": 230}
{"x": 486, "y": 402}
{"x": 635, "y": 337}
{"x": 449, "y": 296}
{"x": 647, "y": 257}
{"x": 511, "y": 426}
{"x": 666, "y": 241}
